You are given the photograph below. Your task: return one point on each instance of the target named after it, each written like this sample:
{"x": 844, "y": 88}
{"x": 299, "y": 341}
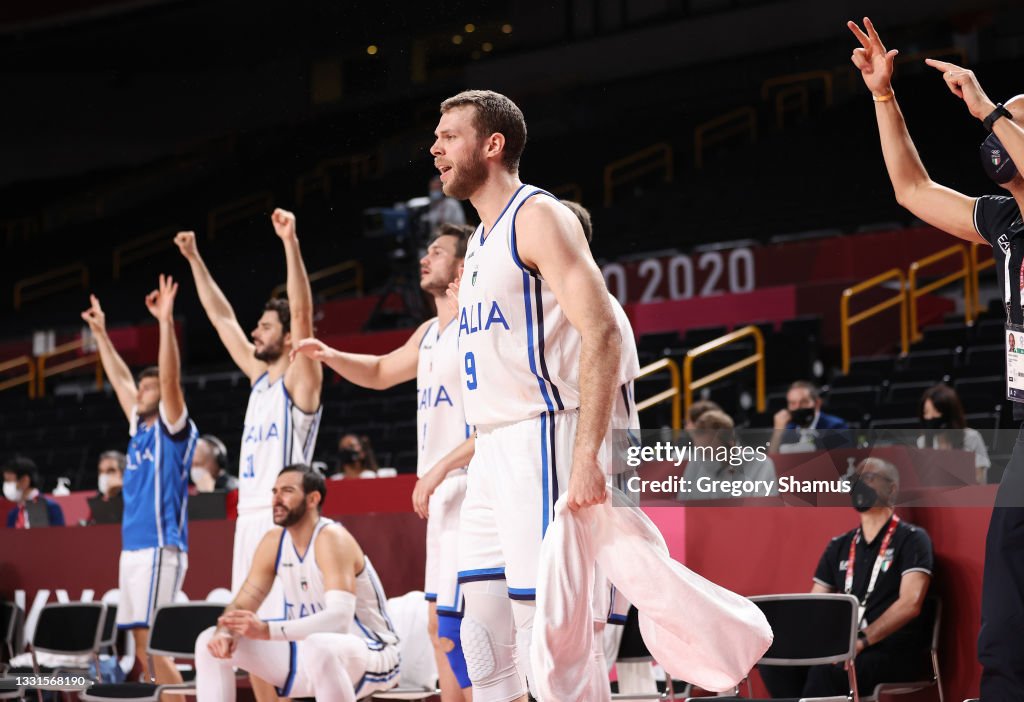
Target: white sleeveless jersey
{"x": 440, "y": 416}
{"x": 277, "y": 434}
{"x": 629, "y": 360}
{"x": 303, "y": 585}
{"x": 519, "y": 356}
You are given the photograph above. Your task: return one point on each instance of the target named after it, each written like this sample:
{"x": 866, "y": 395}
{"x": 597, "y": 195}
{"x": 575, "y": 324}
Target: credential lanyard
{"x": 878, "y": 561}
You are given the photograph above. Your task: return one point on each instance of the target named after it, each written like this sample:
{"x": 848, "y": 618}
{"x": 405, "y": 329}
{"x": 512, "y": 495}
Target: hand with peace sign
{"x": 872, "y": 59}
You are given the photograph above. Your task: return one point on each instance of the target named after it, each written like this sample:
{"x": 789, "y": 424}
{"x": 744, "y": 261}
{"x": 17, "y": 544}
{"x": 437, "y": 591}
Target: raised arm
{"x": 550, "y": 240}
{"x": 160, "y": 304}
{"x": 219, "y": 310}
{"x": 946, "y": 209}
{"x": 304, "y": 377}
{"x": 118, "y": 373}
{"x": 367, "y": 370}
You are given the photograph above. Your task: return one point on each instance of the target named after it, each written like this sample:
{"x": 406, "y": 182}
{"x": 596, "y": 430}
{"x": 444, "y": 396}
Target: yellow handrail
{"x": 238, "y": 210}
{"x": 356, "y": 283}
{"x": 673, "y": 393}
{"x": 19, "y": 228}
{"x": 947, "y": 52}
{"x": 757, "y": 358}
{"x": 642, "y": 163}
{"x": 39, "y": 286}
{"x": 29, "y": 378}
{"x": 739, "y": 121}
{"x": 914, "y": 293}
{"x": 141, "y": 248}
{"x": 976, "y": 267}
{"x": 799, "y": 78}
{"x": 81, "y": 362}
{"x": 802, "y": 103}
{"x": 846, "y": 321}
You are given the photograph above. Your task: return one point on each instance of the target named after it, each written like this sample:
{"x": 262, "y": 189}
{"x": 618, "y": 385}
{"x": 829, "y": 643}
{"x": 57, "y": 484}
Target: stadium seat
{"x": 932, "y": 610}
{"x": 633, "y": 650}
{"x": 71, "y": 629}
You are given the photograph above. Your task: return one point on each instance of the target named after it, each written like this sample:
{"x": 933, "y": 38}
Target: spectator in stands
{"x": 894, "y": 640}
{"x": 441, "y": 210}
{"x": 942, "y": 416}
{"x": 715, "y": 430}
{"x": 354, "y": 459}
{"x": 993, "y": 220}
{"x": 210, "y": 466}
{"x": 110, "y": 475}
{"x": 697, "y": 409}
{"x": 21, "y": 486}
{"x": 802, "y": 426}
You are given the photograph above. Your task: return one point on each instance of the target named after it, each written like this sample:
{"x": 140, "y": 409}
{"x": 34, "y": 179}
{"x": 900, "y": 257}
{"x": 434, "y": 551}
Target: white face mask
{"x": 11, "y": 491}
{"x": 202, "y": 480}
{"x": 103, "y": 483}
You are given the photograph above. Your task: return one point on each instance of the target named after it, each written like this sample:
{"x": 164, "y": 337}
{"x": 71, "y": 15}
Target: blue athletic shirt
{"x": 156, "y": 482}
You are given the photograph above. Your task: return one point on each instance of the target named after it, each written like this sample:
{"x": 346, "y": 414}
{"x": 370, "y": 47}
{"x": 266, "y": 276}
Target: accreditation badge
{"x": 1014, "y": 362}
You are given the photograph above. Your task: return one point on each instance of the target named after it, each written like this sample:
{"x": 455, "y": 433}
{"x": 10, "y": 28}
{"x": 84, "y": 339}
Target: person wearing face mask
{"x": 31, "y": 508}
{"x": 886, "y": 563}
{"x": 802, "y": 426}
{"x": 107, "y": 507}
{"x": 210, "y": 466}
{"x": 714, "y": 429}
{"x": 995, "y": 221}
{"x": 942, "y": 417}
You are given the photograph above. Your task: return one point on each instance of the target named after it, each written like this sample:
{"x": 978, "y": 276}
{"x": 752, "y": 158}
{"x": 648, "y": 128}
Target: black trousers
{"x": 874, "y": 665}
{"x": 1001, "y": 639}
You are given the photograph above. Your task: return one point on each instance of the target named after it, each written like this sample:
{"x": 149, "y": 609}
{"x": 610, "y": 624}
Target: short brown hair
{"x": 699, "y": 408}
{"x": 583, "y": 215}
{"x": 284, "y": 312}
{"x": 807, "y": 385}
{"x": 461, "y": 232}
{"x": 148, "y": 372}
{"x": 715, "y": 424}
{"x": 495, "y": 114}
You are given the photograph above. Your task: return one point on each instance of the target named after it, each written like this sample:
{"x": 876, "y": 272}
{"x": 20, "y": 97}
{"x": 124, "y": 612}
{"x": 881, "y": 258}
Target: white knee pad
{"x": 488, "y": 642}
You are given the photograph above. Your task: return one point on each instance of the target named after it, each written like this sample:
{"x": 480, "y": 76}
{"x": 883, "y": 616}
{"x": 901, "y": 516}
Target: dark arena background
{"x": 727, "y": 150}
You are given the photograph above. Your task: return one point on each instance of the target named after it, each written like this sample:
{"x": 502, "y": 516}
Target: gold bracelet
{"x": 883, "y": 98}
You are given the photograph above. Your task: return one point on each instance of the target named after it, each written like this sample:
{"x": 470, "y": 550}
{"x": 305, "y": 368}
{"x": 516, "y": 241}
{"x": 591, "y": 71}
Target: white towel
{"x": 697, "y": 631}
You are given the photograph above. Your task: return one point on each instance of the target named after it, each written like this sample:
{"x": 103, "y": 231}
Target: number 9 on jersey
{"x": 470, "y": 371}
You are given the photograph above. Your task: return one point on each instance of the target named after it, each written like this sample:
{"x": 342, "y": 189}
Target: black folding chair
{"x": 932, "y": 611}
{"x": 175, "y": 630}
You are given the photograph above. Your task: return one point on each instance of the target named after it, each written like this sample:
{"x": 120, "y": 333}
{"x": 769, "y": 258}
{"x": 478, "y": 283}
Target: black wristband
{"x": 863, "y": 637}
{"x": 998, "y": 112}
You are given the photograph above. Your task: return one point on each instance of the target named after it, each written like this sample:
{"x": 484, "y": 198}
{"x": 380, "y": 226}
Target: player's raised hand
{"x": 94, "y": 316}
{"x": 964, "y": 84}
{"x": 186, "y": 243}
{"x": 284, "y": 223}
{"x": 587, "y": 485}
{"x": 160, "y": 302}
{"x": 872, "y": 59}
{"x": 310, "y": 348}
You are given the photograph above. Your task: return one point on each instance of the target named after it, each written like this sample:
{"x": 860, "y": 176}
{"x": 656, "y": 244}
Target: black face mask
{"x": 802, "y": 417}
{"x": 863, "y": 496}
{"x": 934, "y": 423}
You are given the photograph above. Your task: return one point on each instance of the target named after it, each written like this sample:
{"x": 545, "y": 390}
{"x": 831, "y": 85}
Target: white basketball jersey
{"x": 629, "y": 360}
{"x": 303, "y": 585}
{"x": 440, "y": 416}
{"x": 519, "y": 356}
{"x": 277, "y": 434}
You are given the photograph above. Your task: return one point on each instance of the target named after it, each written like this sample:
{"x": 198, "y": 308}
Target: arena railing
{"x": 796, "y": 85}
{"x": 46, "y": 371}
{"x": 57, "y": 280}
{"x": 656, "y": 157}
{"x": 238, "y": 211}
{"x": 674, "y": 393}
{"x": 976, "y": 267}
{"x": 29, "y": 378}
{"x": 141, "y": 248}
{"x": 19, "y": 228}
{"x": 755, "y": 359}
{"x": 846, "y": 321}
{"x": 915, "y": 293}
{"x": 738, "y": 122}
{"x": 568, "y": 191}
{"x": 355, "y": 283}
